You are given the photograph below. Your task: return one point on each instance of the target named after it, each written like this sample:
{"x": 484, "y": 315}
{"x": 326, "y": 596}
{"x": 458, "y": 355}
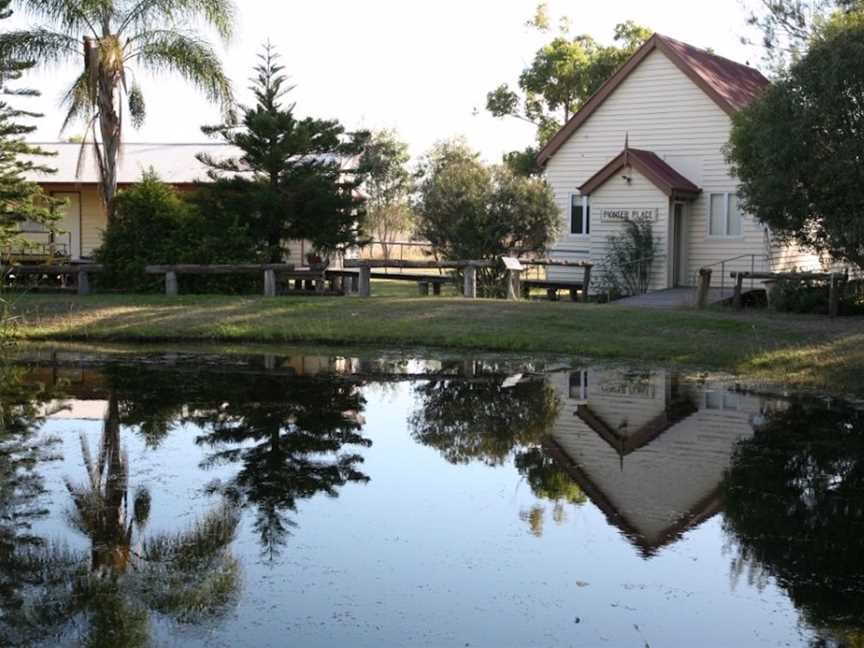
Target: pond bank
{"x": 802, "y": 351}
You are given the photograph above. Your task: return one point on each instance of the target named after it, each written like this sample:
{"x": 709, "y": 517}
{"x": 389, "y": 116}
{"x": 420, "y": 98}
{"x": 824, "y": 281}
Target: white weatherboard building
{"x": 650, "y": 143}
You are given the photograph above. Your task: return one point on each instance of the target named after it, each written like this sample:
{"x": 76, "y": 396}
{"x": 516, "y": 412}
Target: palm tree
{"x": 113, "y": 39}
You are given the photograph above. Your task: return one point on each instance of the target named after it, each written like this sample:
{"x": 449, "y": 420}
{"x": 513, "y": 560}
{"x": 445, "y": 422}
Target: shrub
{"x": 154, "y": 224}
{"x": 622, "y": 271}
{"x": 812, "y": 297}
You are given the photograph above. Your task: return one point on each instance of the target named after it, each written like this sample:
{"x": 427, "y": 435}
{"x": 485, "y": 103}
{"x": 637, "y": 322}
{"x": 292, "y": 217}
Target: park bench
{"x": 553, "y": 287}
{"x": 424, "y": 282}
{"x": 306, "y": 281}
{"x": 81, "y": 272}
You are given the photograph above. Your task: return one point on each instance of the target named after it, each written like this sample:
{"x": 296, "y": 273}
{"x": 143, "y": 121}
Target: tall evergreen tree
{"x": 20, "y": 200}
{"x": 292, "y": 180}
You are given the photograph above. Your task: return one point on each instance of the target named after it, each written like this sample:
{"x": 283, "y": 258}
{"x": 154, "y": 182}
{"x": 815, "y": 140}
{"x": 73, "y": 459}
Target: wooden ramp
{"x": 674, "y": 298}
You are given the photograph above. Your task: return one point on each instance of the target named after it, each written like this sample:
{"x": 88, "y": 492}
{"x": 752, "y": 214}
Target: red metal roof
{"x": 735, "y": 83}
{"x": 731, "y": 85}
{"x": 652, "y": 166}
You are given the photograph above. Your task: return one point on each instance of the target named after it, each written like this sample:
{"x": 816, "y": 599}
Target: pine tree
{"x": 20, "y": 200}
{"x": 291, "y": 180}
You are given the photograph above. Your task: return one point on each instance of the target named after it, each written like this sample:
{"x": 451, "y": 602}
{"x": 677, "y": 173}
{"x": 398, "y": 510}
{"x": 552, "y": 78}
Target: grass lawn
{"x": 807, "y": 351}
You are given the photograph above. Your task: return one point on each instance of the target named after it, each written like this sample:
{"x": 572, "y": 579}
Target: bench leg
{"x": 423, "y": 288}
{"x": 552, "y": 294}
{"x": 436, "y": 288}
{"x": 574, "y": 295}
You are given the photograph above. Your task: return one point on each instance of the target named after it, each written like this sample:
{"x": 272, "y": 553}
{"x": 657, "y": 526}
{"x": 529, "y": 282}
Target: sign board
{"x": 627, "y": 214}
{"x": 512, "y": 263}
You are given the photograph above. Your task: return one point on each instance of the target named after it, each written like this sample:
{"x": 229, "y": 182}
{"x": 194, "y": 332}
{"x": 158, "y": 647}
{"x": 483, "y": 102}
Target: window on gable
{"x": 725, "y": 217}
{"x": 580, "y": 215}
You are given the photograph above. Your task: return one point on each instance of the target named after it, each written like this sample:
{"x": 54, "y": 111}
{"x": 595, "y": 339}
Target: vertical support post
{"x": 83, "y": 282}
{"x": 513, "y": 287}
{"x": 269, "y": 283}
{"x": 171, "y": 283}
{"x": 739, "y": 287}
{"x": 355, "y": 283}
{"x": 704, "y": 288}
{"x": 833, "y": 296}
{"x": 436, "y": 289}
{"x": 320, "y": 284}
{"x": 423, "y": 288}
{"x": 470, "y": 280}
{"x": 298, "y": 284}
{"x": 586, "y": 284}
{"x": 365, "y": 287}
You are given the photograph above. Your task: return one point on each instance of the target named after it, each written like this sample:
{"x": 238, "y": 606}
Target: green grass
{"x": 801, "y": 350}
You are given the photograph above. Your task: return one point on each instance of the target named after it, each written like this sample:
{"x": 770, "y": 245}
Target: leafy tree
{"x": 786, "y": 27}
{"x": 287, "y": 437}
{"x": 20, "y": 200}
{"x": 795, "y": 509}
{"x": 291, "y": 181}
{"x": 177, "y": 230}
{"x": 468, "y": 210}
{"x": 388, "y": 187}
{"x": 113, "y": 38}
{"x": 562, "y": 76}
{"x": 798, "y": 148}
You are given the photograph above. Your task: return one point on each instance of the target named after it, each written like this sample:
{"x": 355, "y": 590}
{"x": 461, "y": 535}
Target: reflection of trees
{"x": 481, "y": 419}
{"x": 105, "y": 597}
{"x": 490, "y": 421}
{"x": 795, "y": 509}
{"x": 287, "y": 435}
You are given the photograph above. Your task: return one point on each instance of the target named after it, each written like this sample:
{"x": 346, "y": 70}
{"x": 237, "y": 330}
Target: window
{"x": 580, "y": 215}
{"x": 724, "y": 218}
{"x": 579, "y": 385}
{"x": 32, "y": 227}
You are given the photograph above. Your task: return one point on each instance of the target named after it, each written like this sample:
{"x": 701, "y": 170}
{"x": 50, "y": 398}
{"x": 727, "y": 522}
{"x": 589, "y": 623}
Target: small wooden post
{"x": 270, "y": 283}
{"x": 586, "y": 283}
{"x": 470, "y": 277}
{"x": 320, "y": 285}
{"x": 171, "y": 283}
{"x": 552, "y": 294}
{"x": 365, "y": 287}
{"x": 436, "y": 289}
{"x": 514, "y": 274}
{"x": 704, "y": 288}
{"x": 739, "y": 287}
{"x": 833, "y": 296}
{"x": 423, "y": 288}
{"x": 83, "y": 282}
{"x": 338, "y": 282}
{"x": 574, "y": 295}
{"x": 355, "y": 283}
{"x": 513, "y": 284}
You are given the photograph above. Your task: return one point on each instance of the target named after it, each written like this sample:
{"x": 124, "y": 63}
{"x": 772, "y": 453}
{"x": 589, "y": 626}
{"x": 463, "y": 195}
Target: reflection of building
{"x": 649, "y": 450}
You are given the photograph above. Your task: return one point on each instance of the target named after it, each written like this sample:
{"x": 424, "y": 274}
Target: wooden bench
{"x": 306, "y": 281}
{"x": 424, "y": 282}
{"x": 552, "y": 288}
{"x": 81, "y": 271}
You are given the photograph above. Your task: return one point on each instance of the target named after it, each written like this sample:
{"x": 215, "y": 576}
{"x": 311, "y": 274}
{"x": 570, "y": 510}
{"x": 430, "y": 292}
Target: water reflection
{"x": 657, "y": 456}
{"x": 795, "y": 509}
{"x": 289, "y": 437}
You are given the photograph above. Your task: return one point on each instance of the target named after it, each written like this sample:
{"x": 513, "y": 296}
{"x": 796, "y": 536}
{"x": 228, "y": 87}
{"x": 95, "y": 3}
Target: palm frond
{"x": 216, "y": 14}
{"x": 77, "y": 102}
{"x": 191, "y": 58}
{"x": 69, "y": 15}
{"x": 40, "y": 46}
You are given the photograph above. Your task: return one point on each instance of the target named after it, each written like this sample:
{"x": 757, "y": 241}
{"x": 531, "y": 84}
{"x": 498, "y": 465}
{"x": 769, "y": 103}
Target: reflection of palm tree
{"x": 186, "y": 576}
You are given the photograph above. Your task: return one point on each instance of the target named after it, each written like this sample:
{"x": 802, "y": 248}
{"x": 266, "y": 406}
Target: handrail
{"x": 722, "y": 263}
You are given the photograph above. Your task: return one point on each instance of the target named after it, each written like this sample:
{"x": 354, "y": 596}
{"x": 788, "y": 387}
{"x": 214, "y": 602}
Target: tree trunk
{"x": 110, "y": 126}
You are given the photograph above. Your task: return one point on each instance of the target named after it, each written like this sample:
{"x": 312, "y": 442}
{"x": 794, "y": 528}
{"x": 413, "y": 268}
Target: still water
{"x": 191, "y": 499}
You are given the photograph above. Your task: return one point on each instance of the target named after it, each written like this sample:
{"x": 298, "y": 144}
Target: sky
{"x": 422, "y": 68}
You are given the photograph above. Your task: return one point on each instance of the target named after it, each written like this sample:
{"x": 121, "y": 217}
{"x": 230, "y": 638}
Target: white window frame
{"x": 586, "y": 217}
{"x": 727, "y": 202}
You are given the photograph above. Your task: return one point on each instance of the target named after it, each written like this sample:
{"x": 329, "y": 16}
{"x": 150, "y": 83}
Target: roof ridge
{"x": 706, "y": 52}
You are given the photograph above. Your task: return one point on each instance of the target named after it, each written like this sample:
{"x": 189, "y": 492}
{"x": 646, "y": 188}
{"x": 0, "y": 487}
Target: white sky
{"x": 419, "y": 67}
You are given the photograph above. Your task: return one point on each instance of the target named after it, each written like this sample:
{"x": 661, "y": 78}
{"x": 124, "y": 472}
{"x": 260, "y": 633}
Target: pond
{"x": 196, "y": 499}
